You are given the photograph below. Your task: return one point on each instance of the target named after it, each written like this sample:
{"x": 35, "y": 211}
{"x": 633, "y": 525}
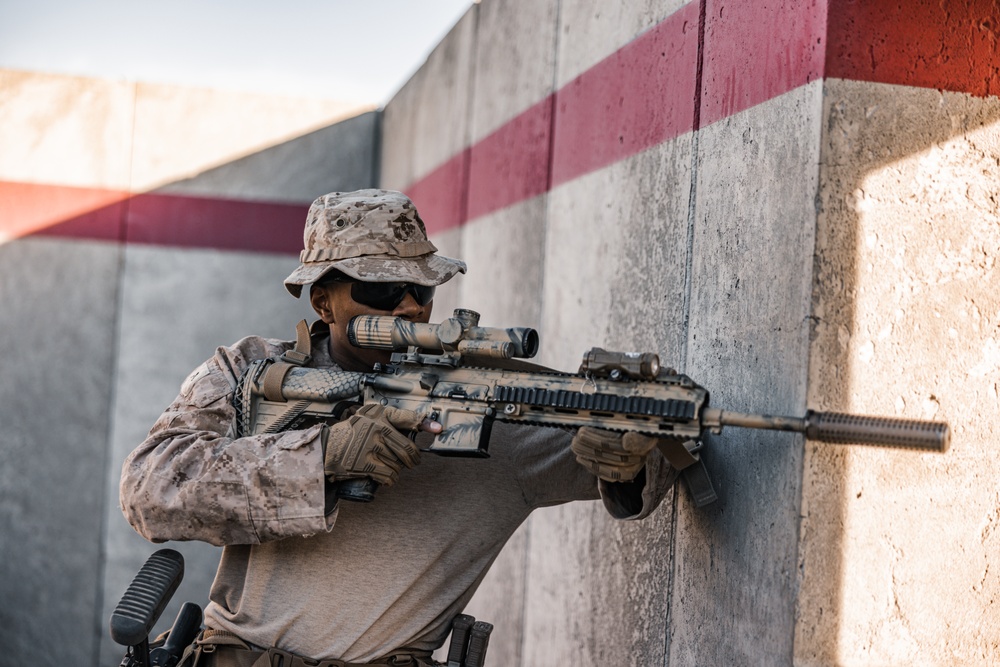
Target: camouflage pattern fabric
{"x": 263, "y": 489}
{"x": 371, "y": 235}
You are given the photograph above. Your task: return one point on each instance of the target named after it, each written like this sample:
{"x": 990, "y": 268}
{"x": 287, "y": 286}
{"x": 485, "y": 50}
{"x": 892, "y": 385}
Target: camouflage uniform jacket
{"x": 366, "y": 578}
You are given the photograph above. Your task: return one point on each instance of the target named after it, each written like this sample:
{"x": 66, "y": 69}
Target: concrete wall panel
{"x": 58, "y": 300}
{"x": 65, "y": 130}
{"x": 599, "y": 589}
{"x": 204, "y": 299}
{"x": 590, "y": 32}
{"x": 214, "y": 128}
{"x": 515, "y": 60}
{"x": 747, "y": 343}
{"x": 426, "y": 122}
{"x": 897, "y": 546}
{"x": 506, "y": 256}
{"x": 338, "y": 157}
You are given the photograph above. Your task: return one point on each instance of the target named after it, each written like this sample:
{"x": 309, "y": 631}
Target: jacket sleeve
{"x": 549, "y": 474}
{"x": 638, "y": 498}
{"x": 191, "y": 480}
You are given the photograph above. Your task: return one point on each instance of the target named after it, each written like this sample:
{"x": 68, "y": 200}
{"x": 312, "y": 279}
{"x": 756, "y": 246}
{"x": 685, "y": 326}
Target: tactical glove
{"x": 613, "y": 457}
{"x": 370, "y": 444}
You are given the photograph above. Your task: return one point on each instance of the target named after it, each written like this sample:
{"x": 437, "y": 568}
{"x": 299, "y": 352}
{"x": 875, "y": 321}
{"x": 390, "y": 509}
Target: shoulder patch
{"x": 206, "y": 384}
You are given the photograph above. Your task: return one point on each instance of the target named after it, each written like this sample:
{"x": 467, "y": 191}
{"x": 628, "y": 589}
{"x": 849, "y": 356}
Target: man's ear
{"x": 319, "y": 298}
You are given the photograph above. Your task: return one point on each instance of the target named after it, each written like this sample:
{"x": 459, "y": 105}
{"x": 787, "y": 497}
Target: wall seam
{"x": 809, "y": 323}
{"x": 376, "y": 172}
{"x": 463, "y": 206}
{"x": 688, "y": 277}
{"x": 522, "y": 651}
{"x": 110, "y": 478}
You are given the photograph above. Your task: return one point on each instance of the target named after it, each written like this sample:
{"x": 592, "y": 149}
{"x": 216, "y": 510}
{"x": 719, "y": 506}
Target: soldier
{"x": 303, "y": 574}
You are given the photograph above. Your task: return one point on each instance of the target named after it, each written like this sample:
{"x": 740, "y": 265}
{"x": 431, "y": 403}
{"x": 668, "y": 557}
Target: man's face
{"x": 333, "y": 303}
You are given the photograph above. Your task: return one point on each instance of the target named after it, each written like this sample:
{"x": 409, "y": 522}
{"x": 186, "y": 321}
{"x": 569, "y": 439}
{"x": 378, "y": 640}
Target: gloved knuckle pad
{"x": 403, "y": 419}
{"x": 588, "y": 436}
{"x": 401, "y": 448}
{"x": 616, "y": 458}
{"x": 638, "y": 443}
{"x": 370, "y": 411}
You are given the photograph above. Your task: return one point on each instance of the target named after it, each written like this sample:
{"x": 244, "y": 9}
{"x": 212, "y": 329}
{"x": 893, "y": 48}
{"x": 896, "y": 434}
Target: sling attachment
{"x": 274, "y": 374}
{"x": 302, "y": 352}
{"x": 691, "y": 467}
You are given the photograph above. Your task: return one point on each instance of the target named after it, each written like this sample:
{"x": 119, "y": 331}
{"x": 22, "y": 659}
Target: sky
{"x": 358, "y": 51}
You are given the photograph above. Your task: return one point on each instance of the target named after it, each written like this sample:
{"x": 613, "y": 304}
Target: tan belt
{"x": 219, "y": 648}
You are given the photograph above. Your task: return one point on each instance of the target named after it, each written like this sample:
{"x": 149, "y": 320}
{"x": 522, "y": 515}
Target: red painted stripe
{"x": 439, "y": 195}
{"x": 637, "y": 98}
{"x": 29, "y": 209}
{"x": 943, "y": 44}
{"x": 756, "y": 51}
{"x": 512, "y": 163}
{"x": 224, "y": 224}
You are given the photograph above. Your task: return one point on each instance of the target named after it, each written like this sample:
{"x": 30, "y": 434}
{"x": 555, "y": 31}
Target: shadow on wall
{"x": 84, "y": 274}
{"x": 877, "y": 134}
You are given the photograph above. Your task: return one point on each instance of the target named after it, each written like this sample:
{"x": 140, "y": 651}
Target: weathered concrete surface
{"x": 424, "y": 133}
{"x": 200, "y": 299}
{"x": 99, "y": 337}
{"x": 590, "y": 32}
{"x": 734, "y": 594}
{"x": 506, "y": 256}
{"x": 181, "y": 132}
{"x": 57, "y": 300}
{"x": 57, "y": 330}
{"x": 598, "y": 589}
{"x": 898, "y": 549}
{"x": 338, "y": 157}
{"x": 427, "y": 120}
{"x": 515, "y": 60}
{"x": 65, "y": 130}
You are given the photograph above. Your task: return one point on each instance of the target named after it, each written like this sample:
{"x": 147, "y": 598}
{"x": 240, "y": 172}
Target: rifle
{"x": 467, "y": 377}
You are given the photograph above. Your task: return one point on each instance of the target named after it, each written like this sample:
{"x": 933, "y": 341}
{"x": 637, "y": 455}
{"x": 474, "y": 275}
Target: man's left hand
{"x": 614, "y": 457}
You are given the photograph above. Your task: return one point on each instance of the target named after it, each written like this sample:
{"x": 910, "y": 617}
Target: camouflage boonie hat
{"x": 370, "y": 235}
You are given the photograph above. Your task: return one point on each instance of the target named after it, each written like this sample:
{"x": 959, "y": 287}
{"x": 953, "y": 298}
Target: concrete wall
{"x": 791, "y": 202}
{"x": 141, "y": 226}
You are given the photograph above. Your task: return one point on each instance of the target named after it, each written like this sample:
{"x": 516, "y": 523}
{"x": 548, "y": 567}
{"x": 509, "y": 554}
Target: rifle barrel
{"x": 844, "y": 429}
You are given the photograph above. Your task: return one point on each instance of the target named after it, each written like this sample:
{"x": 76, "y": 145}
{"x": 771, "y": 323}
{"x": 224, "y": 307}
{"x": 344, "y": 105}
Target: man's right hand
{"x": 371, "y": 444}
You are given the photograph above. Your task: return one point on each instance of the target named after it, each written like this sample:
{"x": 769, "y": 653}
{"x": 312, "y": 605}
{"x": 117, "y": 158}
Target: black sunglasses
{"x": 381, "y": 296}
{"x": 386, "y": 296}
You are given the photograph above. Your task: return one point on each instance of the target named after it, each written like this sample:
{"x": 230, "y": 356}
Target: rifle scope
{"x": 460, "y": 333}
